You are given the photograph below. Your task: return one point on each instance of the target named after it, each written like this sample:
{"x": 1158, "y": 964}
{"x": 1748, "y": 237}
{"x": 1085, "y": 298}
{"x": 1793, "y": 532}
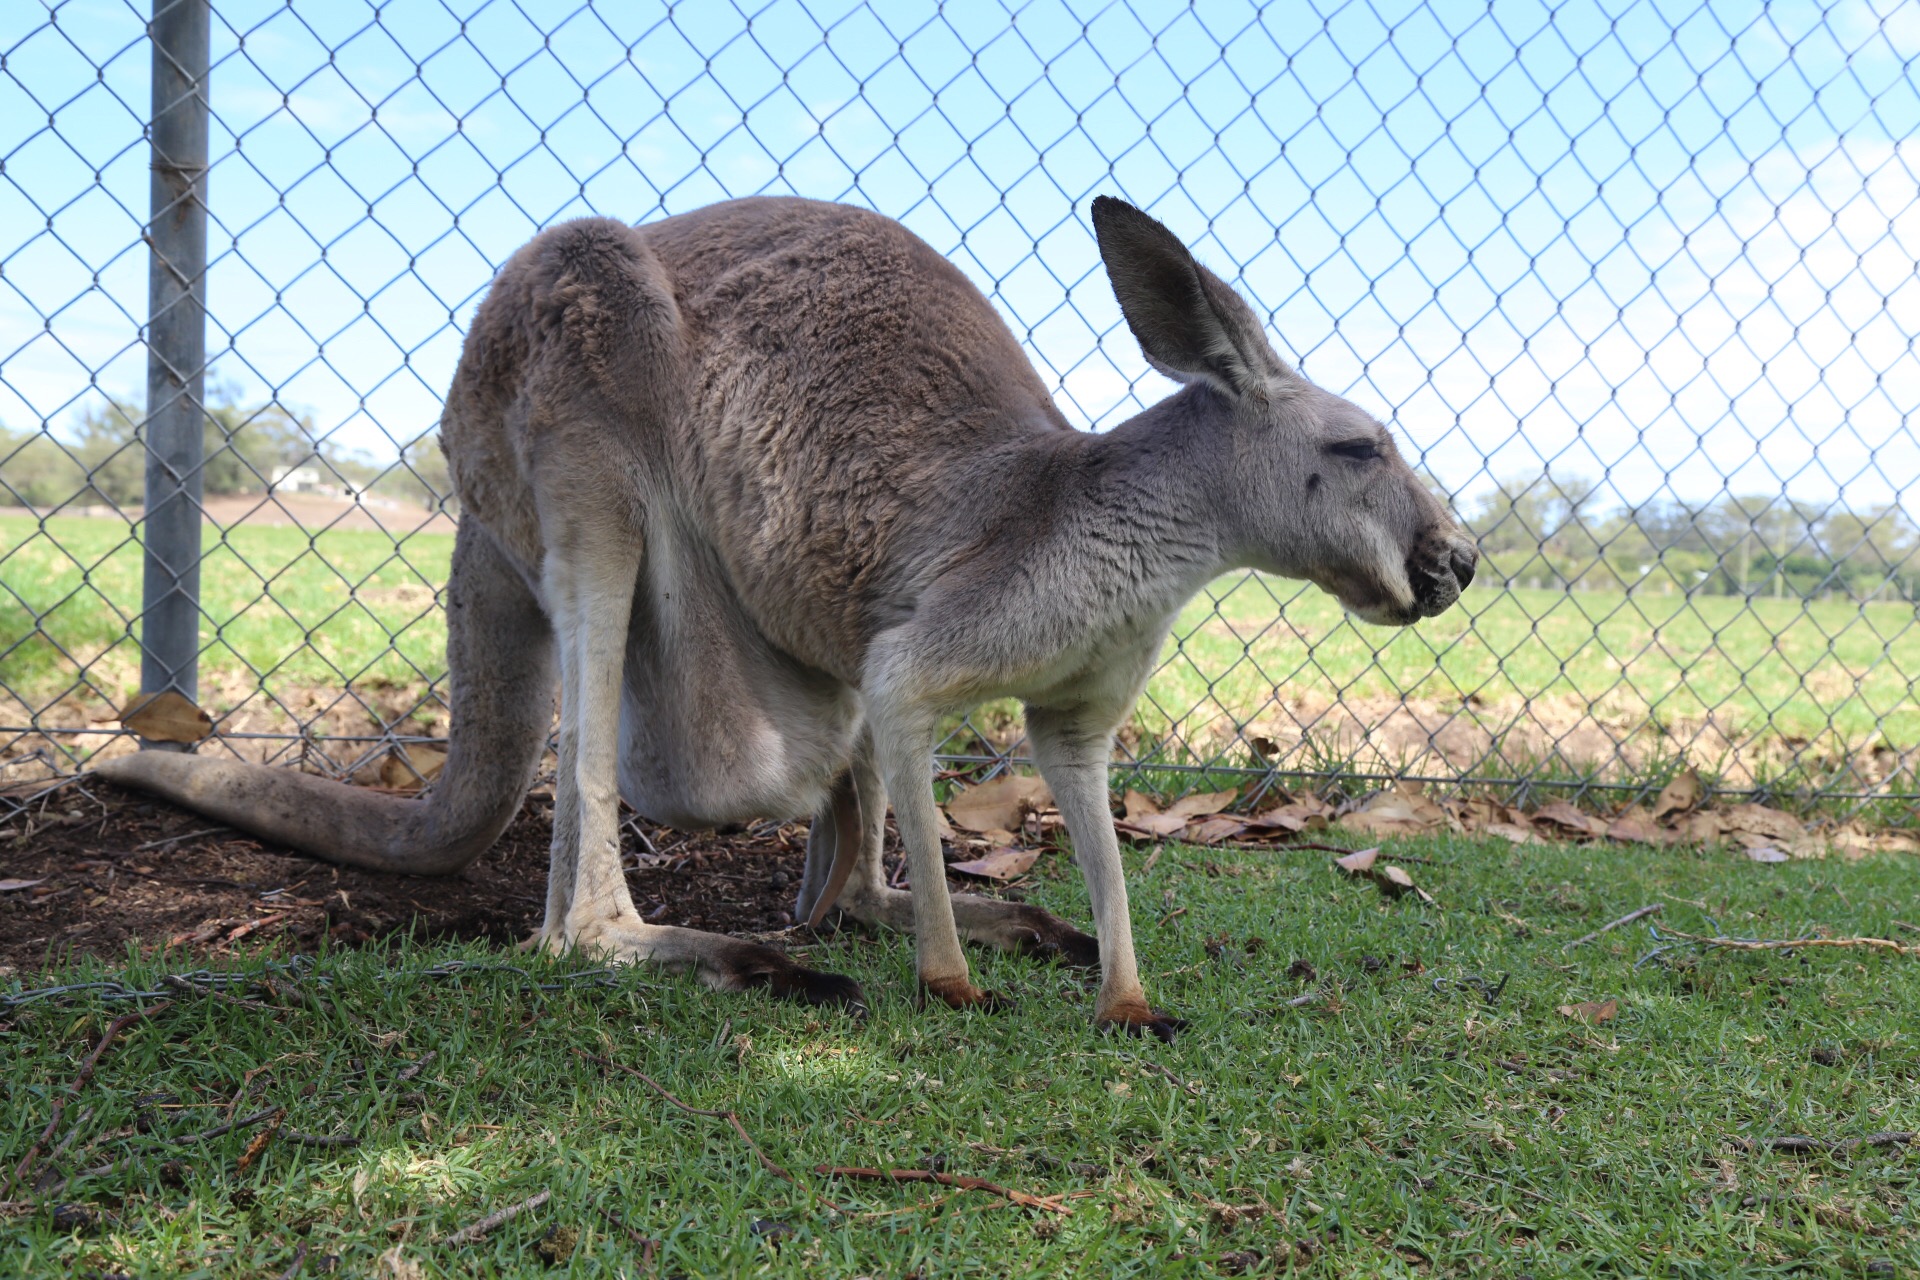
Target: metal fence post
{"x": 176, "y": 346}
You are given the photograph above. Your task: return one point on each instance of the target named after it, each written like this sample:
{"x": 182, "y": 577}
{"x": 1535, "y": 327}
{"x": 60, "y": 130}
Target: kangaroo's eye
{"x": 1358, "y": 450}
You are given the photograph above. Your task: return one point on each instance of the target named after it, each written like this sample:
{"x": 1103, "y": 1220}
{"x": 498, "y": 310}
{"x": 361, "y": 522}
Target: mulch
{"x": 119, "y": 870}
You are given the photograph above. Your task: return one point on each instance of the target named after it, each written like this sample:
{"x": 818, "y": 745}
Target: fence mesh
{"x": 1636, "y": 283}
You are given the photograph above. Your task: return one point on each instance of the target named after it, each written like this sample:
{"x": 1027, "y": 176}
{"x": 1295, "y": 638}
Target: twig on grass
{"x": 415, "y": 1067}
{"x": 1611, "y": 925}
{"x": 91, "y": 1061}
{"x": 244, "y": 1122}
{"x": 261, "y": 1141}
{"x": 73, "y": 1131}
{"x": 319, "y": 1139}
{"x": 1186, "y": 1086}
{"x": 960, "y": 1182}
{"x": 499, "y": 1217}
{"x": 731, "y": 1117}
{"x": 1789, "y": 944}
{"x": 1799, "y": 1142}
{"x": 293, "y": 1268}
{"x": 648, "y": 1245}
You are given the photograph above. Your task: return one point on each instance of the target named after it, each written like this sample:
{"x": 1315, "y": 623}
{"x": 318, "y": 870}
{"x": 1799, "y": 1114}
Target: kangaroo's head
{"x": 1314, "y": 487}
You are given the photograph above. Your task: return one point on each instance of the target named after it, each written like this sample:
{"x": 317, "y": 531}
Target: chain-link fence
{"x": 1636, "y": 283}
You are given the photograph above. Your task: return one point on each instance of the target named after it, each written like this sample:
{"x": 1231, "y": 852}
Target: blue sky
{"x": 1659, "y": 244}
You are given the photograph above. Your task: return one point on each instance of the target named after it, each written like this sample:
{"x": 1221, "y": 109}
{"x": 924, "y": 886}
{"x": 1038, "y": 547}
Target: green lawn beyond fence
{"x": 318, "y": 609}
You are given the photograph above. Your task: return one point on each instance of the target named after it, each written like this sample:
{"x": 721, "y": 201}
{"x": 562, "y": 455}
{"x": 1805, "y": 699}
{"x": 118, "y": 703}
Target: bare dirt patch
{"x": 117, "y": 870}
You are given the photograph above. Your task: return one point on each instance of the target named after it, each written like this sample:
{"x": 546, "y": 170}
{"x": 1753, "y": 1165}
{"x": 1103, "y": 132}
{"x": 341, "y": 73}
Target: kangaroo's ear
{"x": 1188, "y": 321}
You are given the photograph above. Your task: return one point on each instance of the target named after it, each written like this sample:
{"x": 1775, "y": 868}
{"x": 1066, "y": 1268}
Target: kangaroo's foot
{"x": 723, "y": 963}
{"x": 1006, "y": 926}
{"x": 1136, "y": 1018}
{"x": 959, "y": 993}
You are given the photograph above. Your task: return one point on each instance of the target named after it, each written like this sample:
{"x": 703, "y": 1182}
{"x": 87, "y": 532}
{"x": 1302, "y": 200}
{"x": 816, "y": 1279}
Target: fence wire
{"x": 1636, "y": 283}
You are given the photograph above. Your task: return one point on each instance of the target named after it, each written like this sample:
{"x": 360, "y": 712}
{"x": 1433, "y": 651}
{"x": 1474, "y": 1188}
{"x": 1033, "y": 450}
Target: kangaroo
{"x": 772, "y": 491}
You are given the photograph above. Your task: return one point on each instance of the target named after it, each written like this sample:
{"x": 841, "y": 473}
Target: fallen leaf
{"x": 1136, "y": 805}
{"x": 166, "y": 717}
{"x": 10, "y": 886}
{"x": 1358, "y": 863}
{"x": 1590, "y": 1012}
{"x": 1397, "y": 812}
{"x": 1393, "y": 881}
{"x": 410, "y": 768}
{"x": 1001, "y": 864}
{"x": 1284, "y": 823}
{"x": 1512, "y": 831}
{"x": 394, "y": 1264}
{"x": 1701, "y": 828}
{"x": 1158, "y": 826}
{"x": 1679, "y": 795}
{"x": 1760, "y": 821}
{"x": 1000, "y": 805}
{"x": 1202, "y": 805}
{"x": 1767, "y": 853}
{"x": 1635, "y": 826}
{"x": 1569, "y": 819}
{"x": 1214, "y": 830}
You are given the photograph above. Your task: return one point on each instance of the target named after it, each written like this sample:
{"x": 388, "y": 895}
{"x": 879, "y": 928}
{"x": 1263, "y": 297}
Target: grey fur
{"x": 780, "y": 490}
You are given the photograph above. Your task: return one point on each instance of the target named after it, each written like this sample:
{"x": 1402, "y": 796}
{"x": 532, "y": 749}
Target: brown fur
{"x": 771, "y": 491}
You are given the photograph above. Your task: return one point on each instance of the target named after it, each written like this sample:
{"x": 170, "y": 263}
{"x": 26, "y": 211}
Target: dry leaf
{"x": 1591, "y": 1012}
{"x": 1214, "y": 830}
{"x": 1358, "y": 863}
{"x": 1393, "y": 881}
{"x": 1700, "y": 828}
{"x": 1138, "y": 806}
{"x": 1767, "y": 853}
{"x": 1759, "y": 820}
{"x": 11, "y": 886}
{"x": 394, "y": 1264}
{"x": 1281, "y": 820}
{"x": 1635, "y": 826}
{"x": 1157, "y": 825}
{"x": 1001, "y": 864}
{"x": 166, "y": 717}
{"x": 1512, "y": 831}
{"x": 1569, "y": 819}
{"x": 1397, "y": 812}
{"x": 410, "y": 768}
{"x": 1678, "y": 796}
{"x": 1000, "y": 805}
{"x": 1202, "y": 805}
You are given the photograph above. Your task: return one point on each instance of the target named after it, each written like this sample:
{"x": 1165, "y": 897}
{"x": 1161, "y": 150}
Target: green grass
{"x": 1802, "y": 666}
{"x": 1807, "y": 669}
{"x": 309, "y": 608}
{"x": 1399, "y": 1126}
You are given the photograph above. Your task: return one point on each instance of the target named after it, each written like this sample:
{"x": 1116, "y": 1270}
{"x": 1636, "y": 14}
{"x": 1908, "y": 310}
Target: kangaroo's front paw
{"x": 1137, "y": 1019}
{"x": 958, "y": 993}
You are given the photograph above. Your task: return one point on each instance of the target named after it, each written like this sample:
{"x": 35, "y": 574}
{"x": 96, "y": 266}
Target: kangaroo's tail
{"x": 500, "y": 655}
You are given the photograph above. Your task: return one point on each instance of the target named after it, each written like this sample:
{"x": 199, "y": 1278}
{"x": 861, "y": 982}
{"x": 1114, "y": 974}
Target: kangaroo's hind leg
{"x": 993, "y": 922}
{"x": 593, "y": 561}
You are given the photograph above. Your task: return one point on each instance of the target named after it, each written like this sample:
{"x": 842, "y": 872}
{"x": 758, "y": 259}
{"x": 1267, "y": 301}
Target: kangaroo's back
{"x": 848, "y": 385}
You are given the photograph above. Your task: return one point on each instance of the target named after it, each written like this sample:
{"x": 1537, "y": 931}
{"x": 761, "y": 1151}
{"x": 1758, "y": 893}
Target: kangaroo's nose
{"x": 1464, "y": 559}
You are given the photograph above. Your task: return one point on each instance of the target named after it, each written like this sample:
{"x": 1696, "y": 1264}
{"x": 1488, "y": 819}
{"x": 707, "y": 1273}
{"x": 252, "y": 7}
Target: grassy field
{"x": 312, "y": 608}
{"x": 1428, "y": 1111}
